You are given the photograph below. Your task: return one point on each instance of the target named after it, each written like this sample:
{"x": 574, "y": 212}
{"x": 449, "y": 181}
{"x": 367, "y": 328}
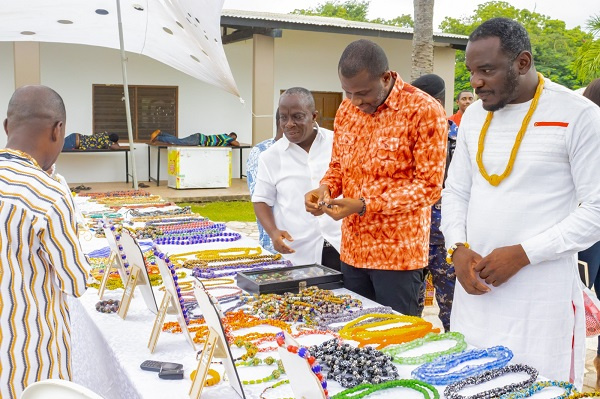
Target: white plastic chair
{"x": 56, "y": 388}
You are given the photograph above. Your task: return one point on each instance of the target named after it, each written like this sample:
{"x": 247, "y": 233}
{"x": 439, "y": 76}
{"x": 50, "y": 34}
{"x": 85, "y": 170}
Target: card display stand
{"x": 289, "y": 279}
{"x": 212, "y": 317}
{"x": 211, "y": 350}
{"x": 304, "y": 382}
{"x": 118, "y": 260}
{"x": 134, "y": 257}
{"x": 170, "y": 300}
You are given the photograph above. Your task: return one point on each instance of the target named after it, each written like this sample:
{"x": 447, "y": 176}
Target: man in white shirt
{"x": 287, "y": 170}
{"x": 522, "y": 189}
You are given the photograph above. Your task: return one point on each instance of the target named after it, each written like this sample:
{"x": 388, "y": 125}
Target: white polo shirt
{"x": 285, "y": 174}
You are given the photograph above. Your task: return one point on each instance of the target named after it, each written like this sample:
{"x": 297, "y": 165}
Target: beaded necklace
{"x": 578, "y": 395}
{"x": 494, "y": 179}
{"x": 351, "y": 366}
{"x": 363, "y": 390}
{"x": 304, "y": 353}
{"x": 118, "y": 201}
{"x": 306, "y": 306}
{"x": 277, "y": 384}
{"x": 415, "y": 327}
{"x": 326, "y": 321}
{"x": 395, "y": 351}
{"x": 212, "y": 272}
{"x": 199, "y": 239}
{"x": 451, "y": 391}
{"x": 175, "y": 279}
{"x": 437, "y": 373}
{"x": 121, "y": 193}
{"x": 275, "y": 374}
{"x": 539, "y": 386}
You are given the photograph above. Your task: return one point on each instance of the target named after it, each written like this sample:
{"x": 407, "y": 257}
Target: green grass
{"x": 239, "y": 211}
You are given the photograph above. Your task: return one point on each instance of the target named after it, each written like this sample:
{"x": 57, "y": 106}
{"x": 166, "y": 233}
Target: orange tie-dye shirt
{"x": 395, "y": 160}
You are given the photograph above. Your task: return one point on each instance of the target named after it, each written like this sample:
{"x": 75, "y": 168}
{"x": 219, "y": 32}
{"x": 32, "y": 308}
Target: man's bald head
{"x": 35, "y": 123}
{"x": 35, "y": 105}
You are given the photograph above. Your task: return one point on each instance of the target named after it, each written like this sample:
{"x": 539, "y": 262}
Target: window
{"x": 152, "y": 107}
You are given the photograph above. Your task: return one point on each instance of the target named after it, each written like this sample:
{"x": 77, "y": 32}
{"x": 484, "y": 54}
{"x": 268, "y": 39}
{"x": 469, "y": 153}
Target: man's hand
{"x": 340, "y": 208}
{"x": 465, "y": 260}
{"x": 279, "y": 244}
{"x": 501, "y": 264}
{"x": 314, "y": 198}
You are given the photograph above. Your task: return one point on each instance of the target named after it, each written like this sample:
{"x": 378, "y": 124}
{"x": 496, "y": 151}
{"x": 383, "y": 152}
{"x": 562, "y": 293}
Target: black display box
{"x": 289, "y": 279}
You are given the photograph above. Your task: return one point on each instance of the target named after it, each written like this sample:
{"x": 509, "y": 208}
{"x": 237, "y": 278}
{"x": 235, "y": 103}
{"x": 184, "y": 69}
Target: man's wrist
{"x": 452, "y": 250}
{"x": 363, "y": 210}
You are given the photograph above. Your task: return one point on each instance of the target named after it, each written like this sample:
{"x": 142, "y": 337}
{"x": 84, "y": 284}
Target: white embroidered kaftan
{"x": 556, "y": 169}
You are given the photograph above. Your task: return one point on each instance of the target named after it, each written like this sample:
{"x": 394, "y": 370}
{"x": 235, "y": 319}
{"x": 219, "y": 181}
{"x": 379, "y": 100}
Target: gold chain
{"x": 494, "y": 179}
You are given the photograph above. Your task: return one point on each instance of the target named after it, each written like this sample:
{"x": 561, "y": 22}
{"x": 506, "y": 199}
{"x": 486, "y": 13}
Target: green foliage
{"x": 587, "y": 62}
{"x": 233, "y": 211}
{"x": 354, "y": 10}
{"x": 554, "y": 46}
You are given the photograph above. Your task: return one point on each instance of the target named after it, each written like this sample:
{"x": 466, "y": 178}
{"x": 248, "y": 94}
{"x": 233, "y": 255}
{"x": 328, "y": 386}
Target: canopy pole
{"x": 126, "y": 90}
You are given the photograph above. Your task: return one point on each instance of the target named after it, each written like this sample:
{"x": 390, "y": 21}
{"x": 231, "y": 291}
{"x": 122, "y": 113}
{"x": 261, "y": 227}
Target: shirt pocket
{"x": 387, "y": 152}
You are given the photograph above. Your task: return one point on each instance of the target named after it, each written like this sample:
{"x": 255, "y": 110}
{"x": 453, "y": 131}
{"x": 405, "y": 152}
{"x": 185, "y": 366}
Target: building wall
{"x": 7, "y": 82}
{"x": 301, "y": 59}
{"x": 306, "y": 59}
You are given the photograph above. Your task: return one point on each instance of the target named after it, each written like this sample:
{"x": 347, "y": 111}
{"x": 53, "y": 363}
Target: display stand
{"x": 212, "y": 317}
{"x": 170, "y": 300}
{"x": 303, "y": 380}
{"x": 134, "y": 257}
{"x": 118, "y": 261}
{"x": 107, "y": 268}
{"x": 134, "y": 274}
{"x": 211, "y": 350}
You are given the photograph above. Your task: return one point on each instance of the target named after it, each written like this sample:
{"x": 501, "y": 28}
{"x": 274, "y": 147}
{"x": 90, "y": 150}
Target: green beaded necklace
{"x": 368, "y": 389}
{"x": 396, "y": 350}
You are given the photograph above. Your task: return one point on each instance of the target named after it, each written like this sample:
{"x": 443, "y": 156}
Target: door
{"x": 327, "y": 104}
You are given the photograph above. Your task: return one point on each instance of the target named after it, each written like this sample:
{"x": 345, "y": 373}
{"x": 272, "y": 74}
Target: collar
{"x": 286, "y": 143}
{"x": 12, "y": 153}
{"x": 393, "y": 99}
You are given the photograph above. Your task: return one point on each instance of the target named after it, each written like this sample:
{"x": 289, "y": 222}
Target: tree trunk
{"x": 422, "y": 45}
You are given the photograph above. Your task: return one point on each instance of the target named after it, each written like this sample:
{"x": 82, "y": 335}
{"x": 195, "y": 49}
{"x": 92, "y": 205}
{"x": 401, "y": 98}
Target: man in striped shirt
{"x": 41, "y": 259}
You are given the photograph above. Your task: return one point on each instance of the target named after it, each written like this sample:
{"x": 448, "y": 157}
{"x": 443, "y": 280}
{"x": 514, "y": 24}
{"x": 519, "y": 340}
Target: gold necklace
{"x": 494, "y": 179}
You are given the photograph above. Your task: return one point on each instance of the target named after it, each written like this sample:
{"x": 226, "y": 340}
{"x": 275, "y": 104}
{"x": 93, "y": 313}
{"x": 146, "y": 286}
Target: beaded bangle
{"x": 437, "y": 373}
{"x": 395, "y": 351}
{"x": 451, "y": 391}
{"x": 539, "y": 386}
{"x": 305, "y": 354}
{"x": 453, "y": 248}
{"x": 368, "y": 389}
{"x": 214, "y": 379}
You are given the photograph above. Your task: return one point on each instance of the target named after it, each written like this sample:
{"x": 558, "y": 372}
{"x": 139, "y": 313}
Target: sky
{"x": 576, "y": 13}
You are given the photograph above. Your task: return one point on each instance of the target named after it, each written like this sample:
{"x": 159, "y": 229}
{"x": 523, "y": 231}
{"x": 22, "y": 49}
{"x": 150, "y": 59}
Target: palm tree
{"x": 422, "y": 45}
{"x": 587, "y": 63}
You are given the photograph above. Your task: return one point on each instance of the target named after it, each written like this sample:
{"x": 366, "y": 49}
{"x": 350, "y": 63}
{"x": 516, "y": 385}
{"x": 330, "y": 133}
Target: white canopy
{"x": 184, "y": 34}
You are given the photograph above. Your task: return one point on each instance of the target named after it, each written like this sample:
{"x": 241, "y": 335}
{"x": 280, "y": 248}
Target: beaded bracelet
{"x": 451, "y": 391}
{"x": 460, "y": 346}
{"x": 437, "y": 373}
{"x": 539, "y": 386}
{"x": 214, "y": 379}
{"x": 368, "y": 389}
{"x": 109, "y": 306}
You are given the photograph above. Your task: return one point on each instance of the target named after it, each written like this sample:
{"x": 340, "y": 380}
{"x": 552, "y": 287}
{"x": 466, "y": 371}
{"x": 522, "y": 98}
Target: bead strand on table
{"x": 436, "y": 372}
{"x": 395, "y": 351}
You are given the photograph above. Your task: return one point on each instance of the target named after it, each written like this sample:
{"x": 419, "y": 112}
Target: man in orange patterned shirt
{"x": 388, "y": 161}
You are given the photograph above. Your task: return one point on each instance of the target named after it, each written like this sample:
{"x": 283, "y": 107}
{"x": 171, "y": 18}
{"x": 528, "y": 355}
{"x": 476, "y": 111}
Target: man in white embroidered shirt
{"x": 286, "y": 171}
{"x": 527, "y": 155}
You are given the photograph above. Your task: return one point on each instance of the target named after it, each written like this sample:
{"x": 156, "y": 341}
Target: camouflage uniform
{"x": 442, "y": 273}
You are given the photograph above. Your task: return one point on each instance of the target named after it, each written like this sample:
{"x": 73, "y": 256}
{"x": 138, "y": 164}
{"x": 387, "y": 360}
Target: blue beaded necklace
{"x": 437, "y": 373}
